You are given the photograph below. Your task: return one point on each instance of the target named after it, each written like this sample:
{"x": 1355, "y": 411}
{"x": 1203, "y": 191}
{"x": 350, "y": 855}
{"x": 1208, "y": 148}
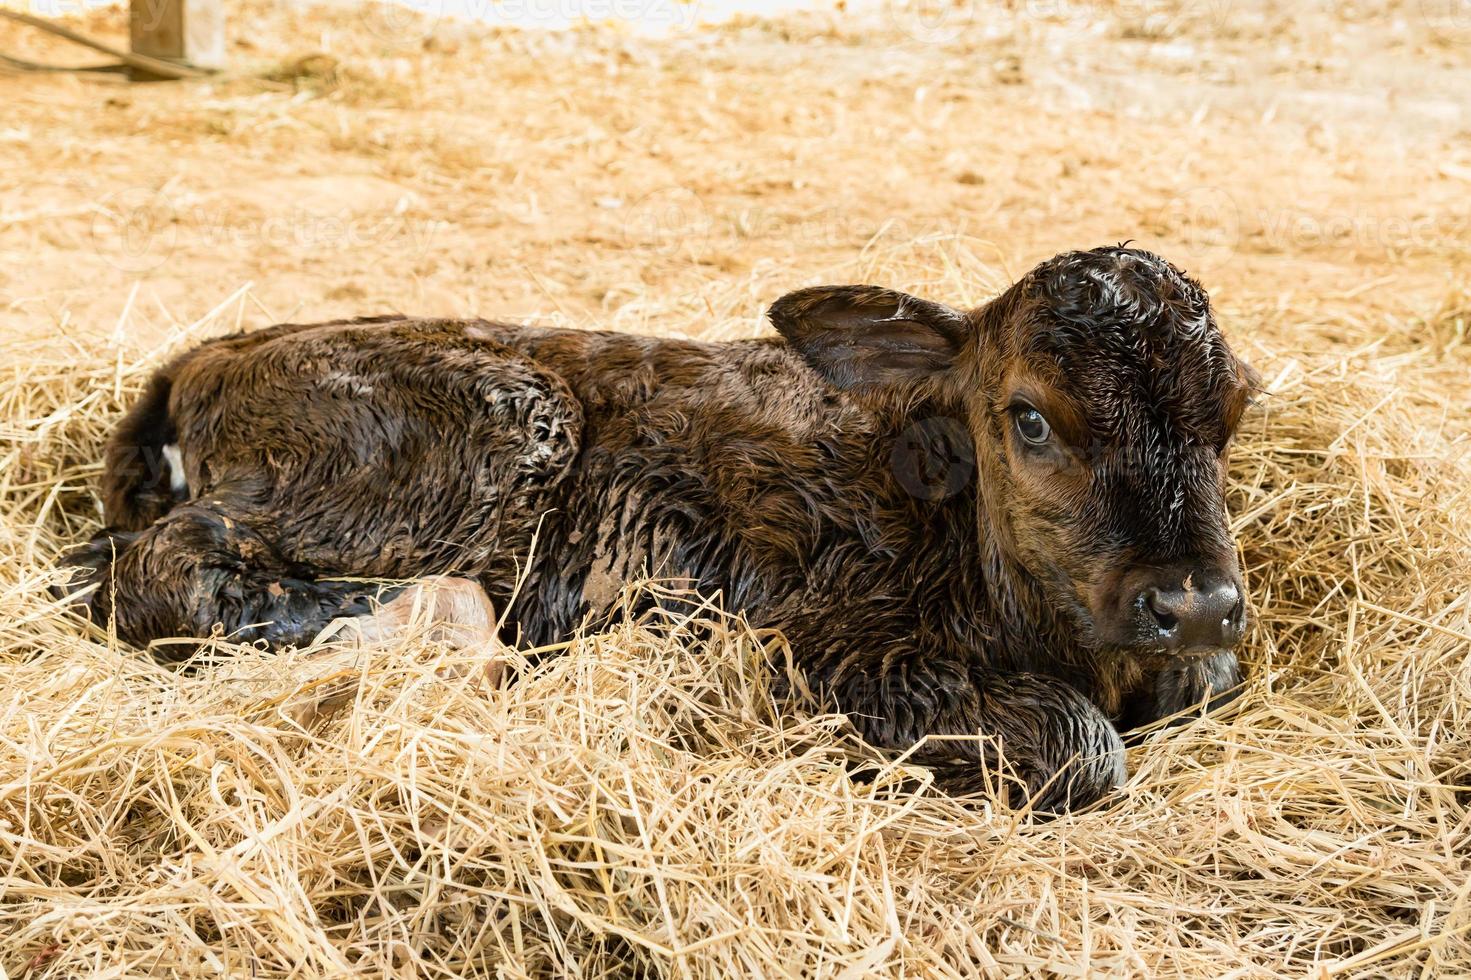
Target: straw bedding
{"x": 637, "y": 805}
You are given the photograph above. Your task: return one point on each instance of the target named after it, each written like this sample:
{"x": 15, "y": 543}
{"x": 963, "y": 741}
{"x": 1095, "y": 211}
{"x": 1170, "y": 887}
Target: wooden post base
{"x": 186, "y": 31}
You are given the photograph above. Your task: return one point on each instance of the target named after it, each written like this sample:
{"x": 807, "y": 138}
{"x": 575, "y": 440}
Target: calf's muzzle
{"x": 1185, "y": 609}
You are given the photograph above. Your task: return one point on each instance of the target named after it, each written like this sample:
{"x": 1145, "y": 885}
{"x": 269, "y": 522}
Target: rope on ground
{"x": 22, "y": 65}
{"x": 154, "y": 66}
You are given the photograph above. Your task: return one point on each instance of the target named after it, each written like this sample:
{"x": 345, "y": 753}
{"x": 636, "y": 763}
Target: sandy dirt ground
{"x": 637, "y": 806}
{"x": 1287, "y": 154}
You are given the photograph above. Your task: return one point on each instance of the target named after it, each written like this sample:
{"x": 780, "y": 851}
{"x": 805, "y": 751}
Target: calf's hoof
{"x": 89, "y": 566}
{"x": 1065, "y": 746}
{"x": 1094, "y": 772}
{"x": 1066, "y": 749}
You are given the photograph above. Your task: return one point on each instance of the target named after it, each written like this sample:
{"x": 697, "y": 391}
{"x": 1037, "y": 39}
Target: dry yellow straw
{"x": 636, "y": 802}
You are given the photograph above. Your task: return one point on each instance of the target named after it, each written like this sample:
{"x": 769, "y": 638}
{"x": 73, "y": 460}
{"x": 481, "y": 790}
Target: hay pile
{"x": 639, "y": 806}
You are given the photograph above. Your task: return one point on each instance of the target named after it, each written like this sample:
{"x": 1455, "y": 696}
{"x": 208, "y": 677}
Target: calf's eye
{"x": 1032, "y": 427}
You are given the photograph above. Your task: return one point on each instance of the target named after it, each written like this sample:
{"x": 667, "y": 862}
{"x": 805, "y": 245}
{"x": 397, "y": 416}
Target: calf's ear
{"x": 867, "y": 338}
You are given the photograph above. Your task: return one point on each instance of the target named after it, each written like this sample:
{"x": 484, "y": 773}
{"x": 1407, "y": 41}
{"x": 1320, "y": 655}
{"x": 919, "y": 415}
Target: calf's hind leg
{"x": 199, "y": 567}
{"x": 204, "y": 566}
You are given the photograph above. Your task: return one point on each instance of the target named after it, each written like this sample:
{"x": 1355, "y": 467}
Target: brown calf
{"x": 1007, "y": 522}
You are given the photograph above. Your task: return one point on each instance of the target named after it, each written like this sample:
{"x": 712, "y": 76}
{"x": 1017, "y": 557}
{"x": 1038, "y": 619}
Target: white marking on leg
{"x": 175, "y": 459}
{"x": 447, "y": 608}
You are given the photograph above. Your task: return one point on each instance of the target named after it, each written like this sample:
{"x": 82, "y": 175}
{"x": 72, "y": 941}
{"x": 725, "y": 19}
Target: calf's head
{"x": 1101, "y": 399}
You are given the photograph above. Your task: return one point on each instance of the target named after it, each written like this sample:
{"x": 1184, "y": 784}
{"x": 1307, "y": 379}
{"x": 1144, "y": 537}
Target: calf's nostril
{"x": 1162, "y": 609}
{"x": 1235, "y": 622}
{"x": 1192, "y": 617}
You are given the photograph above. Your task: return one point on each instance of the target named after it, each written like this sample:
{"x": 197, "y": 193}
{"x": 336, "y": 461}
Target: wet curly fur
{"x": 856, "y": 483}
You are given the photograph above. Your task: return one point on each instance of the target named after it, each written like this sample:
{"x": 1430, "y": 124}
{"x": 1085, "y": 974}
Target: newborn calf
{"x": 1007, "y": 521}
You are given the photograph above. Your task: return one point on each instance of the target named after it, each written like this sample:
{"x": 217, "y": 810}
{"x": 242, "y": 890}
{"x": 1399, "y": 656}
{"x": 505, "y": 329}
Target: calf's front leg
{"x": 1064, "y": 749}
